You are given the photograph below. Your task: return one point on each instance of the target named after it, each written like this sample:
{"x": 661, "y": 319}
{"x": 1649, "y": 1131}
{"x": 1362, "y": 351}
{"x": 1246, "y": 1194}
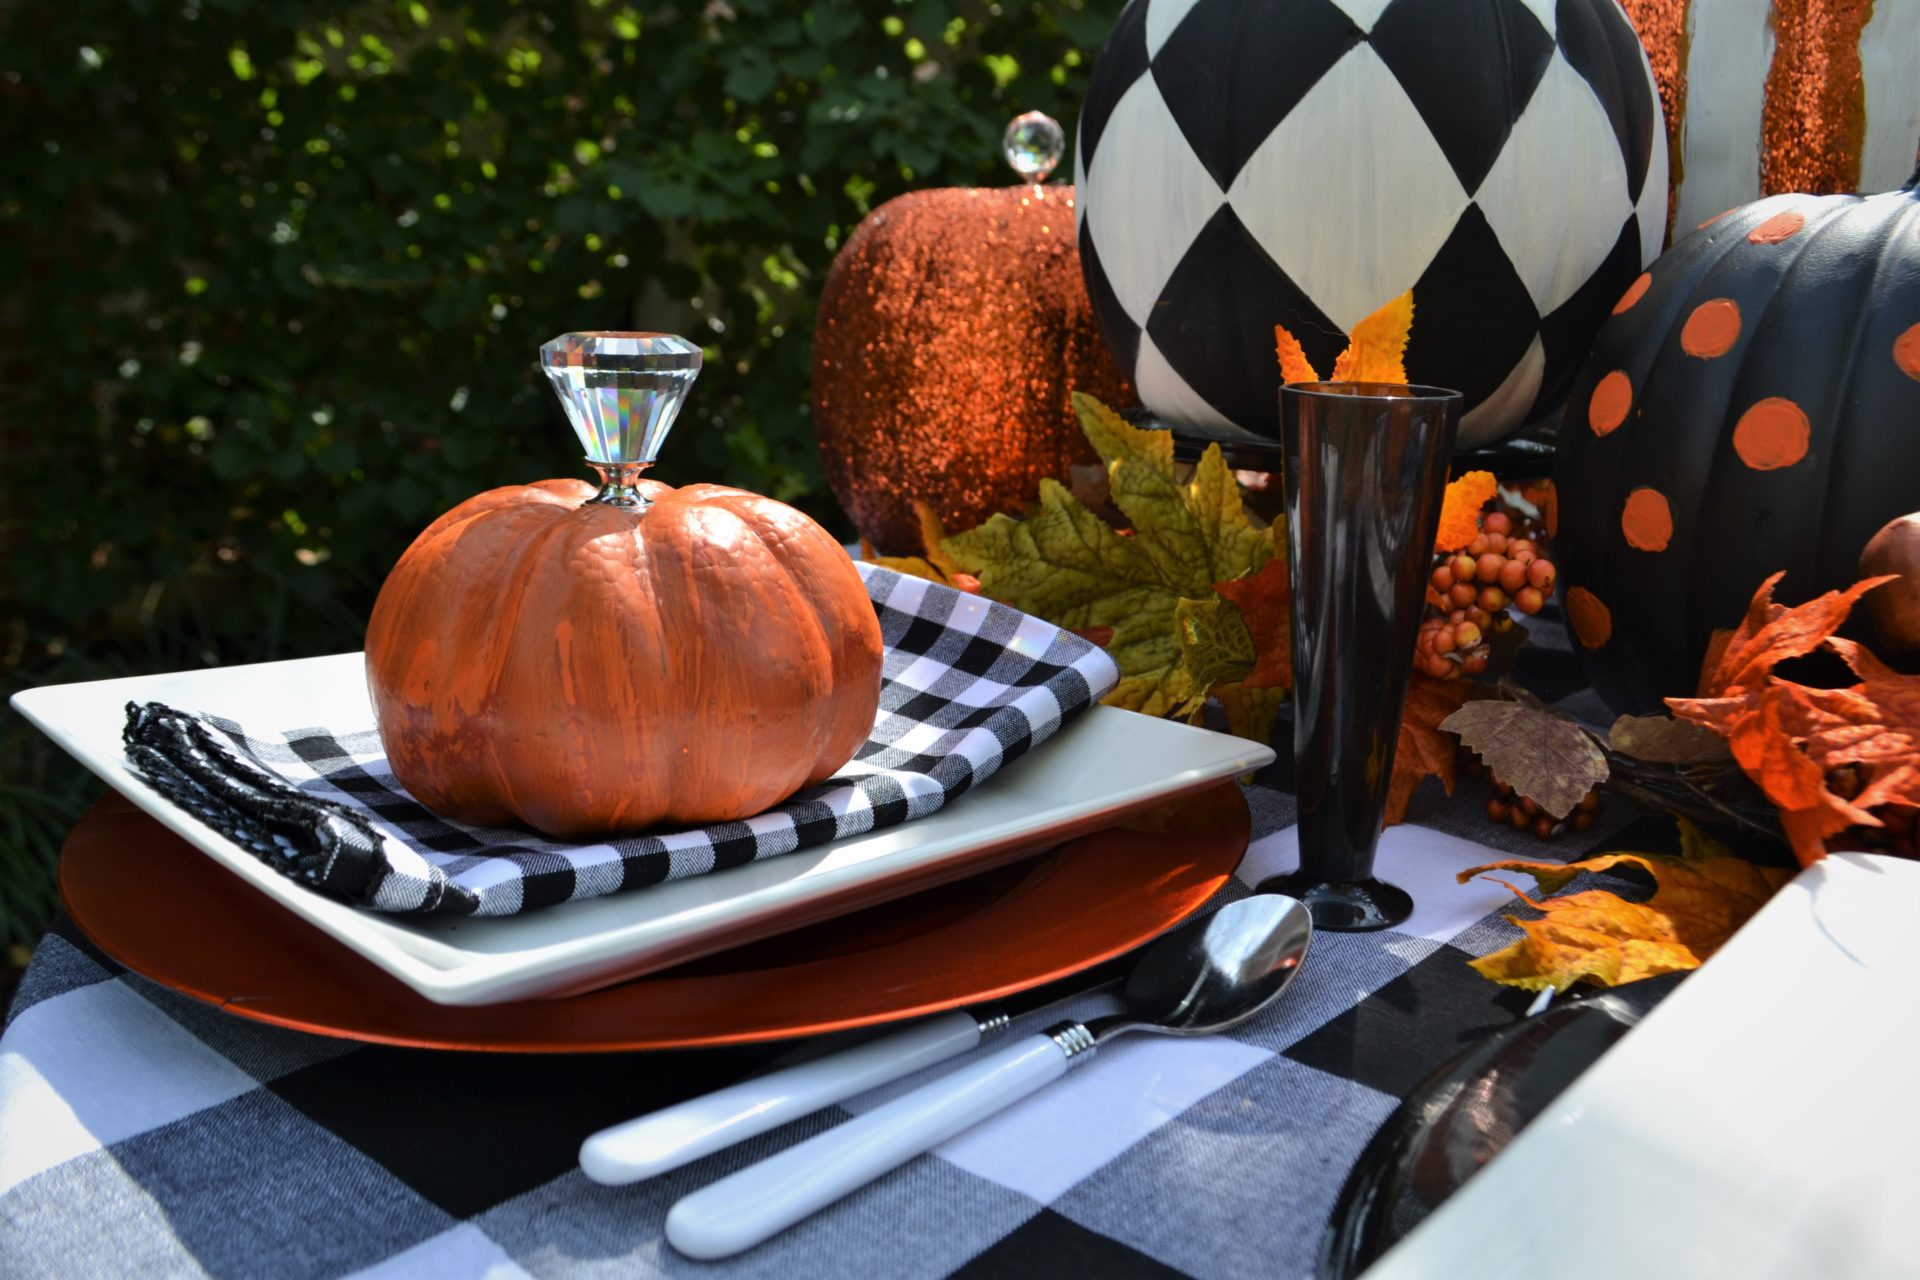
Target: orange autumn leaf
{"x": 1294, "y": 365}
{"x": 1262, "y": 599}
{"x": 1377, "y": 347}
{"x": 1424, "y": 749}
{"x": 1717, "y": 642}
{"x": 1700, "y": 898}
{"x": 1875, "y": 724}
{"x": 1772, "y": 633}
{"x": 1788, "y": 737}
{"x": 1460, "y": 511}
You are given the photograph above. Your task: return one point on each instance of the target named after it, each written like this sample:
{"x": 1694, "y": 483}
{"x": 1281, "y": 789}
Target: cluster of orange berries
{"x": 1501, "y": 568}
{"x": 1505, "y": 806}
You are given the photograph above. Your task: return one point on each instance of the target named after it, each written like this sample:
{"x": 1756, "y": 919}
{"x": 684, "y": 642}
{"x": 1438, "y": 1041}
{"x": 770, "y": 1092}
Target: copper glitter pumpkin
{"x": 952, "y": 328}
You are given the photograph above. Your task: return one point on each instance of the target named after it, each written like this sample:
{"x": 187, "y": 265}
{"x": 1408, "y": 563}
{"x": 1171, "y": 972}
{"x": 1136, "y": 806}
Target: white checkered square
{"x": 94, "y": 1066}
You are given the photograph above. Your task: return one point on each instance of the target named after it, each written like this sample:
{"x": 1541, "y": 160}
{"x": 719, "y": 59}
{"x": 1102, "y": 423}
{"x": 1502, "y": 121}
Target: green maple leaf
{"x": 1072, "y": 568}
{"x": 1215, "y": 646}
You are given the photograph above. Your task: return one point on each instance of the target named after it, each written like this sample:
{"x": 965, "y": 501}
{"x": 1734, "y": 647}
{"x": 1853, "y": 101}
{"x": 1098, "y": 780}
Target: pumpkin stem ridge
{"x": 619, "y": 483}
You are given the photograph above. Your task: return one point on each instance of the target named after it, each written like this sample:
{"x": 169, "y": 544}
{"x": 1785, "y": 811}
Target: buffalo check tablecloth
{"x": 143, "y": 1133}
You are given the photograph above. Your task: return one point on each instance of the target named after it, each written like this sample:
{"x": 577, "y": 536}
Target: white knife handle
{"x": 745, "y": 1208}
{"x": 684, "y": 1132}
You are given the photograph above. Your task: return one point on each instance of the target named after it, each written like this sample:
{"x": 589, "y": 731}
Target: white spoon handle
{"x": 740, "y": 1211}
{"x": 684, "y": 1132}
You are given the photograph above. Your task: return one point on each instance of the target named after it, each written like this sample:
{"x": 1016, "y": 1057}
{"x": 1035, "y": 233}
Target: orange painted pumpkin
{"x": 590, "y": 669}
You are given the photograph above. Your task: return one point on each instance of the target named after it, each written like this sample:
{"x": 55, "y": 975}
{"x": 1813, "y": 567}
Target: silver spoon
{"x": 1206, "y": 976}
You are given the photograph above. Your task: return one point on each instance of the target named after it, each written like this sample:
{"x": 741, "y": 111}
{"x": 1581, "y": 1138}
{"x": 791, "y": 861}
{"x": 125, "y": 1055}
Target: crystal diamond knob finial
{"x": 621, "y": 391}
{"x": 1033, "y": 145}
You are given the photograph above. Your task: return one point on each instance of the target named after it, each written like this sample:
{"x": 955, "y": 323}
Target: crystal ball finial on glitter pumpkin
{"x": 1033, "y": 145}
{"x": 621, "y": 391}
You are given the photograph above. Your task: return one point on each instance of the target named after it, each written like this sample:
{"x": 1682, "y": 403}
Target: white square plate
{"x": 1105, "y": 764}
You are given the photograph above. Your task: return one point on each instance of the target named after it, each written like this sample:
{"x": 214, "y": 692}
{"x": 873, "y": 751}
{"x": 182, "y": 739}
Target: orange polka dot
{"x": 1780, "y": 226}
{"x": 1712, "y": 329}
{"x": 1612, "y": 397}
{"x": 1772, "y": 434}
{"x": 1906, "y": 352}
{"x": 1592, "y": 620}
{"x": 1647, "y": 520}
{"x": 1715, "y": 218}
{"x": 1635, "y": 291}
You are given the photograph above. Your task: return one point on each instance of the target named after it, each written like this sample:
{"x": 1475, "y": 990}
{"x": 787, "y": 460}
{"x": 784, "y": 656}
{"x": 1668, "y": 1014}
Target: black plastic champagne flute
{"x": 1366, "y": 468}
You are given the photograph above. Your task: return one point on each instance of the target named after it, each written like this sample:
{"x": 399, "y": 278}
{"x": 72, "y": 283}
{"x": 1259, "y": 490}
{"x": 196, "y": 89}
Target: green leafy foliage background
{"x": 273, "y": 275}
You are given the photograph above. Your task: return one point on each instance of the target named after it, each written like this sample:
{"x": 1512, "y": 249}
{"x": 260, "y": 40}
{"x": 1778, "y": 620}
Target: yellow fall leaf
{"x": 935, "y": 566}
{"x": 1377, "y": 347}
{"x": 912, "y": 567}
{"x": 1250, "y": 712}
{"x": 931, "y": 534}
{"x": 1702, "y": 896}
{"x": 1068, "y": 565}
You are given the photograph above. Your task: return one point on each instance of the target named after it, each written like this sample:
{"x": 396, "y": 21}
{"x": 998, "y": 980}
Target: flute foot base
{"x": 1345, "y": 906}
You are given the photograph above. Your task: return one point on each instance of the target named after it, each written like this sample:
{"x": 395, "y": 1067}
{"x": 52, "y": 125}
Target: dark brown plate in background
{"x": 159, "y": 906}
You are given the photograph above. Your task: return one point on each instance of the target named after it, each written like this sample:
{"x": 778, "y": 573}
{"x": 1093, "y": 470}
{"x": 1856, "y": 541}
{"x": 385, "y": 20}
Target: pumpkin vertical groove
{"x": 1760, "y": 378}
{"x": 1829, "y": 520}
{"x": 1874, "y": 323}
{"x": 557, "y": 588}
{"x": 501, "y": 659}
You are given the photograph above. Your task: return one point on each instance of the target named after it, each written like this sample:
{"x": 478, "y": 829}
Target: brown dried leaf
{"x": 1664, "y": 740}
{"x": 1541, "y": 754}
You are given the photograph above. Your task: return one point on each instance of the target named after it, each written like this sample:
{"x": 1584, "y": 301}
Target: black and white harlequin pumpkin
{"x": 1247, "y": 163}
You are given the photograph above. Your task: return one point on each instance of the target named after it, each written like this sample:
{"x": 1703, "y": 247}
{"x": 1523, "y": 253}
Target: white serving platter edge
{"x": 1104, "y": 765}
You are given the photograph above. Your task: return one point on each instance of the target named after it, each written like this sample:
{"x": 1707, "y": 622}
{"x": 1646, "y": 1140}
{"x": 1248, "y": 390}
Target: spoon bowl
{"x": 1214, "y": 973}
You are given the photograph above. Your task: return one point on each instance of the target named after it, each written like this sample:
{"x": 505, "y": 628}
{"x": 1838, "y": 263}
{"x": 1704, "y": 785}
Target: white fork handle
{"x": 745, "y": 1208}
{"x": 684, "y": 1132}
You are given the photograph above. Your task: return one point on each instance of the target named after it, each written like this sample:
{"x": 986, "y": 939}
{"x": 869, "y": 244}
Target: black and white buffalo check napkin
{"x": 967, "y": 685}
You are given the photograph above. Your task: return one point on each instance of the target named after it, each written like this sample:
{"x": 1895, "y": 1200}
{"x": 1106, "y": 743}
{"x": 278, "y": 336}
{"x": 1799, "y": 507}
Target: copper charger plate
{"x": 165, "y": 910}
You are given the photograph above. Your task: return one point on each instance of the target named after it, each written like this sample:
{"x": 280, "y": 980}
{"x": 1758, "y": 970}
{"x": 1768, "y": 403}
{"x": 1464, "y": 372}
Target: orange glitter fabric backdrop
{"x": 952, "y": 328}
